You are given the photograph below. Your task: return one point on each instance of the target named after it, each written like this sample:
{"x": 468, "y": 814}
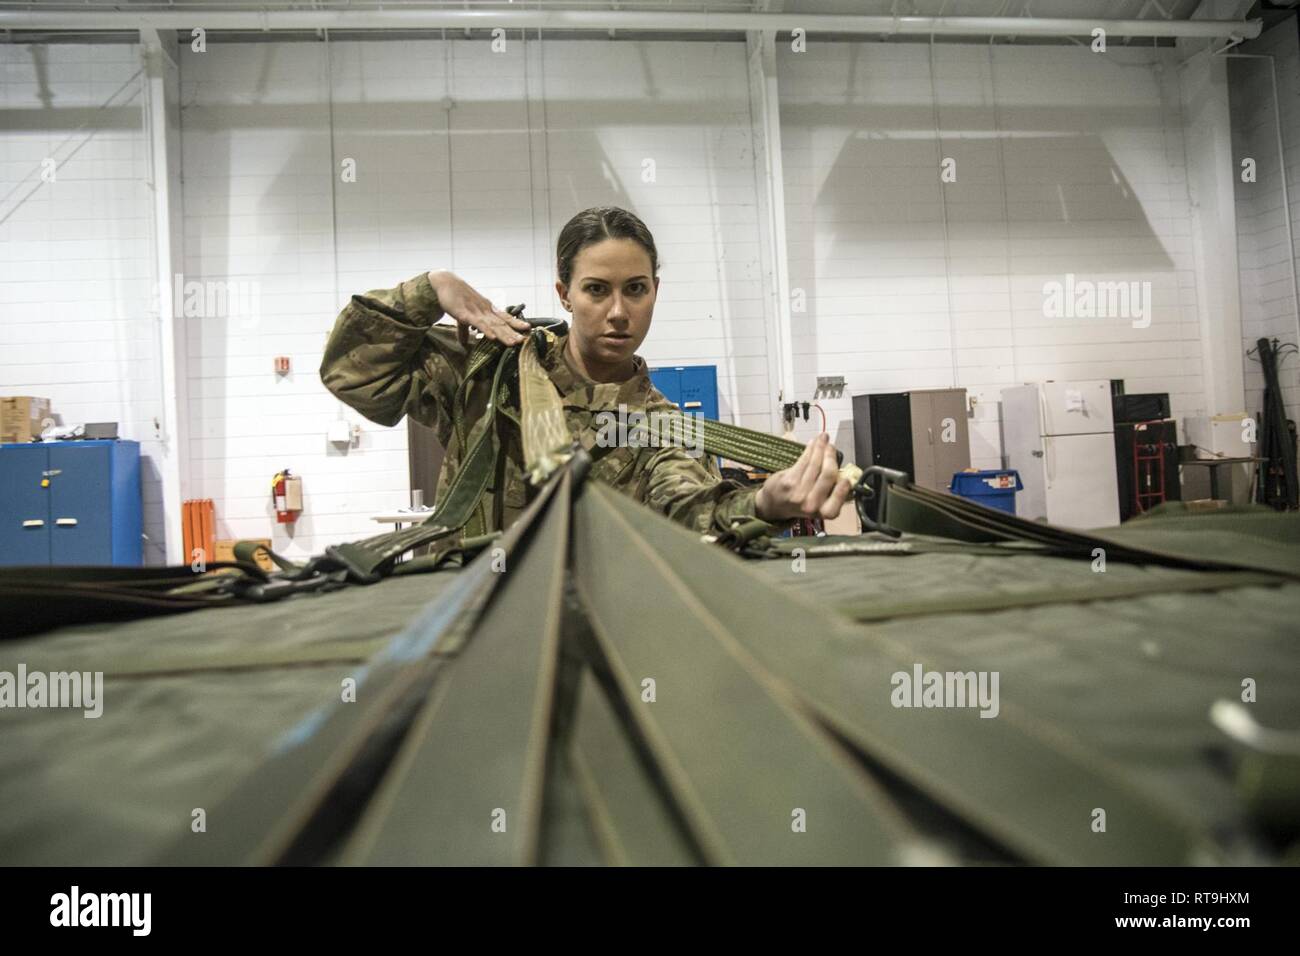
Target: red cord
{"x": 823, "y": 411}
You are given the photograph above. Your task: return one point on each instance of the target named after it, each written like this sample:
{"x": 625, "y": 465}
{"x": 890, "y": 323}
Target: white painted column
{"x": 765, "y": 117}
{"x": 1210, "y": 182}
{"x": 162, "y": 129}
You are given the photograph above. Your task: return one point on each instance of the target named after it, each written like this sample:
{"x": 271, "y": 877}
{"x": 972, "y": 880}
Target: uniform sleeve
{"x": 386, "y": 359}
{"x": 692, "y": 492}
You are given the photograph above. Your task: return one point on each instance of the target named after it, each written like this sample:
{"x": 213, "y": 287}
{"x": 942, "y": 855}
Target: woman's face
{"x": 612, "y": 297}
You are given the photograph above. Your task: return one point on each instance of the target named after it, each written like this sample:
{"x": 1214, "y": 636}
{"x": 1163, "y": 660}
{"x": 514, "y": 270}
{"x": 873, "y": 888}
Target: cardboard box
{"x": 225, "y": 551}
{"x": 1218, "y": 436}
{"x": 22, "y": 417}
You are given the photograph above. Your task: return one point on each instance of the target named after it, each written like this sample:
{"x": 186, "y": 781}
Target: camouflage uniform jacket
{"x": 386, "y": 358}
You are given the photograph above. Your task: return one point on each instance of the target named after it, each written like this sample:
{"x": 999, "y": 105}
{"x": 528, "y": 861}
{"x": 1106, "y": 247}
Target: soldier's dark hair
{"x": 595, "y": 224}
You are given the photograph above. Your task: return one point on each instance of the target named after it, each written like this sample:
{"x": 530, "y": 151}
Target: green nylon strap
{"x": 446, "y": 553}
{"x": 735, "y": 442}
{"x": 922, "y": 510}
{"x": 85, "y": 594}
{"x": 161, "y": 579}
{"x": 878, "y": 610}
{"x": 464, "y": 495}
{"x": 466, "y": 786}
{"x": 463, "y": 504}
{"x": 1245, "y": 542}
{"x": 290, "y": 808}
{"x": 1254, "y": 541}
{"x": 462, "y": 512}
{"x": 247, "y": 552}
{"x": 253, "y": 657}
{"x": 634, "y": 825}
{"x": 714, "y": 708}
{"x": 89, "y": 594}
{"x": 835, "y": 545}
{"x": 38, "y": 605}
{"x": 32, "y": 602}
{"x": 972, "y": 767}
{"x": 71, "y": 604}
{"x": 744, "y": 445}
{"x": 484, "y": 353}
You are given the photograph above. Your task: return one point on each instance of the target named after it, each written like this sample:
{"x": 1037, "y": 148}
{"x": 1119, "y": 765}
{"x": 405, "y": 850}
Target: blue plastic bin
{"x": 995, "y": 488}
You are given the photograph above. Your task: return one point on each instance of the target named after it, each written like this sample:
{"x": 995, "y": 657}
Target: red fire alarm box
{"x": 281, "y": 364}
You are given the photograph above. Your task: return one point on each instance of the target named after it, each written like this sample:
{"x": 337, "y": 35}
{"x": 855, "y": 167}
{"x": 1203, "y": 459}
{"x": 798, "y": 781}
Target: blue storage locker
{"x": 24, "y": 505}
{"x": 75, "y": 502}
{"x": 692, "y": 388}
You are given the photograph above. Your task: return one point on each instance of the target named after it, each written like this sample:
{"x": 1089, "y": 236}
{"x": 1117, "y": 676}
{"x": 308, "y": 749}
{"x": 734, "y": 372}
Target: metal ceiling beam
{"x": 376, "y": 19}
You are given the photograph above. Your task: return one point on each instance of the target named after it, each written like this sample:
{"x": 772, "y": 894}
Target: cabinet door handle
{"x": 65, "y": 522}
{"x": 34, "y": 523}
{"x": 694, "y": 404}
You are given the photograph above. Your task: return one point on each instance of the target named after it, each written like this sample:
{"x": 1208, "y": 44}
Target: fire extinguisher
{"x": 286, "y": 490}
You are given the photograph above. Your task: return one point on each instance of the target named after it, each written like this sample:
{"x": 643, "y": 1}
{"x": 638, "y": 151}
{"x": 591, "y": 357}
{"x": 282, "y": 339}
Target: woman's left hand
{"x": 810, "y": 488}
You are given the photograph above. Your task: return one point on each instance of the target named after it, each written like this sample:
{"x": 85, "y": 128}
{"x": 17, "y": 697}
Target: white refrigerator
{"x": 1060, "y": 436}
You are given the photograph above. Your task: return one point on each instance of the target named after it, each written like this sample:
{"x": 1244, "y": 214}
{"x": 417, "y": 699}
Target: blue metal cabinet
{"x": 692, "y": 388}
{"x": 24, "y": 505}
{"x": 72, "y": 502}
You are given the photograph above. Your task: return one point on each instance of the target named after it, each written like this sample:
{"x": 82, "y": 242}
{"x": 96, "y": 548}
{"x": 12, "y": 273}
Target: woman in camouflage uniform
{"x": 386, "y": 358}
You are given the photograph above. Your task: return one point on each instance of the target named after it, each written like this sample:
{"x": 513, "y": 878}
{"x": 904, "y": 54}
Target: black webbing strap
{"x": 36, "y": 599}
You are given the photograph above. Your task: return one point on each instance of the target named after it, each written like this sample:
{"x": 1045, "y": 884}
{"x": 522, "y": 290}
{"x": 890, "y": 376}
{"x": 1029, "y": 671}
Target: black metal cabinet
{"x": 923, "y": 432}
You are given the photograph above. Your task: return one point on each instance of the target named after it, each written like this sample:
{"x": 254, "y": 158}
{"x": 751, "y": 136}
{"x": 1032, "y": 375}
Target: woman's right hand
{"x": 472, "y": 311}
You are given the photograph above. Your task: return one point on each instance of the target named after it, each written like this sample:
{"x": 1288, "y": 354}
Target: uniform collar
{"x": 577, "y": 389}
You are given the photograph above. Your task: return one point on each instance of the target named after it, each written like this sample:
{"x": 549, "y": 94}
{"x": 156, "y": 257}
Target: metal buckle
{"x": 863, "y": 491}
